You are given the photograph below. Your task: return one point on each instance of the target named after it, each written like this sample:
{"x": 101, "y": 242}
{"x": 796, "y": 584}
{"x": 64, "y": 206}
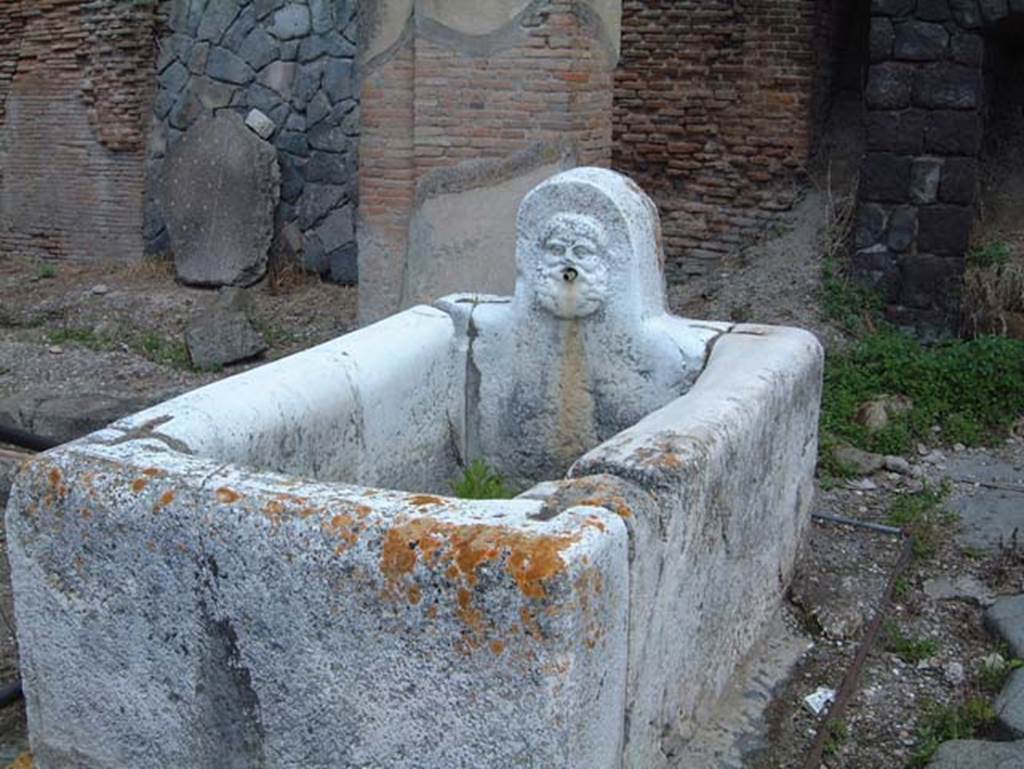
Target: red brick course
{"x": 714, "y": 112}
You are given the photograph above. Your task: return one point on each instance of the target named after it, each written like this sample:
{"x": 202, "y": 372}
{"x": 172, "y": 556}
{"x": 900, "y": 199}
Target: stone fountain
{"x": 267, "y": 572}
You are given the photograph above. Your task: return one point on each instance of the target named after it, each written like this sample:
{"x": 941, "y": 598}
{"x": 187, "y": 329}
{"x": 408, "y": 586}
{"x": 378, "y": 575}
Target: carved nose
{"x": 569, "y": 274}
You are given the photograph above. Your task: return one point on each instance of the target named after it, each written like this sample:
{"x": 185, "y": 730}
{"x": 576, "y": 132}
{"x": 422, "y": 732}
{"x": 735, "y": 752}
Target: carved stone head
{"x": 587, "y": 246}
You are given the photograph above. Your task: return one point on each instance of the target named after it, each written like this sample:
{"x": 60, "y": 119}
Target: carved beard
{"x": 569, "y": 288}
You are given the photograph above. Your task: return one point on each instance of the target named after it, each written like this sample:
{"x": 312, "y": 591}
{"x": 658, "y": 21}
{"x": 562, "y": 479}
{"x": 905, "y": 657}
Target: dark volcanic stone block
{"x": 902, "y": 228}
{"x": 944, "y": 229}
{"x": 920, "y": 41}
{"x": 870, "y": 225}
{"x": 881, "y": 39}
{"x": 925, "y": 174}
{"x": 966, "y": 13}
{"x": 929, "y": 281}
{"x": 947, "y": 85}
{"x": 895, "y": 131}
{"x": 885, "y": 177}
{"x": 889, "y": 85}
{"x": 892, "y": 7}
{"x": 959, "y": 181}
{"x": 933, "y": 10}
{"x": 953, "y": 132}
{"x": 968, "y": 48}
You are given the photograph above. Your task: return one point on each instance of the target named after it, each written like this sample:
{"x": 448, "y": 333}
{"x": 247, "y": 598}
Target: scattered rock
{"x": 222, "y": 236}
{"x": 897, "y": 465}
{"x": 55, "y": 349}
{"x": 837, "y": 605}
{"x": 63, "y": 417}
{"x": 935, "y": 457}
{"x": 861, "y": 484}
{"x": 954, "y": 673}
{"x": 1009, "y": 704}
{"x": 963, "y": 587}
{"x": 222, "y": 333}
{"x": 1005, "y": 618}
{"x": 876, "y": 414}
{"x": 863, "y": 462}
{"x": 977, "y": 754}
{"x": 100, "y": 289}
{"x": 260, "y": 123}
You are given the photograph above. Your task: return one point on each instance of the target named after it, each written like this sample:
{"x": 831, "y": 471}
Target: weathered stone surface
{"x": 889, "y": 85}
{"x": 892, "y": 7}
{"x": 292, "y": 177}
{"x": 899, "y": 131}
{"x": 337, "y": 229}
{"x": 240, "y": 28}
{"x": 221, "y": 236}
{"x": 925, "y": 174}
{"x": 920, "y": 41}
{"x": 224, "y": 65}
{"x": 344, "y": 265}
{"x": 902, "y": 228}
{"x": 338, "y": 79}
{"x": 858, "y": 461}
{"x": 1009, "y": 705}
{"x": 953, "y": 132}
{"x": 317, "y": 200}
{"x": 174, "y": 78}
{"x": 933, "y": 10}
{"x": 876, "y": 268}
{"x": 328, "y": 137}
{"x": 881, "y": 39}
{"x": 885, "y": 177}
{"x": 968, "y": 48}
{"x": 959, "y": 181}
{"x": 217, "y": 17}
{"x": 870, "y": 225}
{"x": 944, "y": 229}
{"x": 966, "y": 13}
{"x": 260, "y": 123}
{"x": 221, "y": 333}
{"x": 952, "y": 86}
{"x": 278, "y": 76}
{"x": 330, "y": 168}
{"x": 290, "y": 22}
{"x": 964, "y": 587}
{"x": 67, "y": 417}
{"x": 187, "y": 107}
{"x": 318, "y": 108}
{"x": 240, "y": 536}
{"x": 258, "y": 49}
{"x": 294, "y": 142}
{"x": 330, "y": 44}
{"x": 993, "y": 10}
{"x": 977, "y": 754}
{"x": 926, "y": 279}
{"x": 1005, "y": 618}
{"x": 212, "y": 94}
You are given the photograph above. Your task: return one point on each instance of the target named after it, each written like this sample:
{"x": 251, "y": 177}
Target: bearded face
{"x": 571, "y": 271}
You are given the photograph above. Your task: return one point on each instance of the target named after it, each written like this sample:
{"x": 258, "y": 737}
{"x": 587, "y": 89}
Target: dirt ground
{"x": 80, "y": 329}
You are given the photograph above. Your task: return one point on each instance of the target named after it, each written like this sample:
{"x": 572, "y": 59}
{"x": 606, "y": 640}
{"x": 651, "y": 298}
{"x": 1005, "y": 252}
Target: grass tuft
{"x": 479, "y": 481}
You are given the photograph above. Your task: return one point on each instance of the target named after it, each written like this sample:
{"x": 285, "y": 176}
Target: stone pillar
{"x": 925, "y": 99}
{"x": 467, "y": 105}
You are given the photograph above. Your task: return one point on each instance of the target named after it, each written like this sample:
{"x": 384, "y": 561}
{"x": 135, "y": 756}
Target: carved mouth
{"x": 569, "y": 274}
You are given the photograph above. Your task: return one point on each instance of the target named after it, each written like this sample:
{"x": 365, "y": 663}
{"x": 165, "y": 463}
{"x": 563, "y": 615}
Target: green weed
{"x": 992, "y": 254}
{"x": 479, "y": 481}
{"x": 838, "y": 733}
{"x": 969, "y": 389}
{"x": 910, "y": 649}
{"x": 46, "y": 271}
{"x": 854, "y": 308}
{"x": 83, "y": 337}
{"x": 942, "y": 723}
{"x": 921, "y": 515}
{"x": 994, "y": 672}
{"x": 164, "y": 351}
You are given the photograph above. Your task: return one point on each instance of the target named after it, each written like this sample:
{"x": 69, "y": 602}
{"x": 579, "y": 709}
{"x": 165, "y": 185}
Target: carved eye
{"x": 569, "y": 274}
{"x": 582, "y": 250}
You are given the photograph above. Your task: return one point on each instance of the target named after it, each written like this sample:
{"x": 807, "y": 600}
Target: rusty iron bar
{"x": 852, "y": 678}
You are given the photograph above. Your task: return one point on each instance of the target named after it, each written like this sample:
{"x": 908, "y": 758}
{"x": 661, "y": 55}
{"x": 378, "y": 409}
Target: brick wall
{"x": 715, "y": 105}
{"x": 439, "y": 101}
{"x": 75, "y": 88}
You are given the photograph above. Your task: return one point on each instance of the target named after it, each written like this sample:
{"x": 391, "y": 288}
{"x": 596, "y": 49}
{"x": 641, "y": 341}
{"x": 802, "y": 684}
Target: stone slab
{"x": 1009, "y": 705}
{"x": 221, "y": 186}
{"x": 66, "y": 417}
{"x": 976, "y": 754}
{"x": 988, "y": 516}
{"x": 1005, "y": 618}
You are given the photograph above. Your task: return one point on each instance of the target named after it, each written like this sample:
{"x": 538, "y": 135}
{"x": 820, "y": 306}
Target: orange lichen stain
{"x": 432, "y": 612}
{"x": 165, "y": 499}
{"x": 594, "y": 522}
{"x": 611, "y": 502}
{"x": 139, "y": 484}
{"x": 153, "y": 472}
{"x": 453, "y": 572}
{"x": 398, "y": 555}
{"x": 226, "y": 496}
{"x": 363, "y": 510}
{"x": 342, "y": 527}
{"x": 472, "y": 618}
{"x": 497, "y": 647}
{"x": 415, "y": 594}
{"x": 274, "y": 510}
{"x": 24, "y": 761}
{"x": 530, "y": 625}
{"x": 151, "y": 546}
{"x": 54, "y": 476}
{"x": 425, "y": 500}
